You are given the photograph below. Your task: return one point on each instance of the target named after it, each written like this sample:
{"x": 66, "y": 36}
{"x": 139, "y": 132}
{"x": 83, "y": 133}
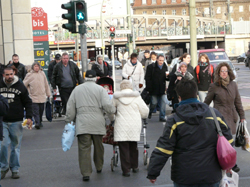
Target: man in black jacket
{"x": 66, "y": 75}
{"x": 52, "y": 65}
{"x": 146, "y": 59}
{"x": 190, "y": 137}
{"x": 19, "y": 66}
{"x": 102, "y": 68}
{"x": 18, "y": 98}
{"x": 156, "y": 76}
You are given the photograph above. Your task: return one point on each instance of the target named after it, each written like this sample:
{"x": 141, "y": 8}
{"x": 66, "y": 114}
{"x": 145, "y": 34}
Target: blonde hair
{"x": 126, "y": 84}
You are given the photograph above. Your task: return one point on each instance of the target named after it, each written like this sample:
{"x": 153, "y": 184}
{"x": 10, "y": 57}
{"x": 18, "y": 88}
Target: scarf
{"x": 207, "y": 68}
{"x": 133, "y": 64}
{"x": 186, "y": 101}
{"x": 225, "y": 81}
{"x": 160, "y": 66}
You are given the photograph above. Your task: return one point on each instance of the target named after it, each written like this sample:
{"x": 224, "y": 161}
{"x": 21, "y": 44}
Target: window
{"x": 154, "y": 12}
{"x": 164, "y": 12}
{"x": 153, "y": 1}
{"x": 173, "y": 1}
{"x": 144, "y": 2}
{"x": 163, "y": 1}
{"x": 196, "y": 11}
{"x": 206, "y": 11}
{"x": 184, "y": 12}
{"x": 173, "y": 12}
{"x": 218, "y": 11}
{"x": 144, "y": 12}
{"x": 240, "y": 8}
{"x": 241, "y": 19}
{"x": 231, "y": 9}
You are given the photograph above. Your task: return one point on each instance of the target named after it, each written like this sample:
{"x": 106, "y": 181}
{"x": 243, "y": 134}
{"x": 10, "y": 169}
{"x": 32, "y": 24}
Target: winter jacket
{"x": 50, "y": 70}
{"x": 21, "y": 69}
{"x": 91, "y": 63}
{"x": 227, "y": 101}
{"x": 137, "y": 76}
{"x": 145, "y": 62}
{"x": 86, "y": 105}
{"x": 190, "y": 137}
{"x": 189, "y": 68}
{"x": 156, "y": 79}
{"x": 58, "y": 73}
{"x": 37, "y": 85}
{"x": 4, "y": 107}
{"x": 130, "y": 110}
{"x": 107, "y": 69}
{"x": 205, "y": 78}
{"x": 18, "y": 99}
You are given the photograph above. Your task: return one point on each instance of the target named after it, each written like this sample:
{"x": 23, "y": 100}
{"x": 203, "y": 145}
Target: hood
{"x": 193, "y": 113}
{"x": 16, "y": 79}
{"x": 126, "y": 96}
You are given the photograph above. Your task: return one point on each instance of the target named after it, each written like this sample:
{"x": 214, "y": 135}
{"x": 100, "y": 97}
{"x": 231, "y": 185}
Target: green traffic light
{"x": 80, "y": 16}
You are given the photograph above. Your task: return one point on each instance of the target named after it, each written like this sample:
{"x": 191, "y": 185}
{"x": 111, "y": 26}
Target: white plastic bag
{"x": 68, "y": 136}
{"x": 247, "y": 137}
{"x": 229, "y": 181}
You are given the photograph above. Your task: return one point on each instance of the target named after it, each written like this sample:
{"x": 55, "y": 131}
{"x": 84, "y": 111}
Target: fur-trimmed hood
{"x": 126, "y": 96}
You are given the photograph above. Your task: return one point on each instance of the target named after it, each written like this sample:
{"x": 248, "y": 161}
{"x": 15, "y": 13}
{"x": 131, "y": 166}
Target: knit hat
{"x": 90, "y": 74}
{"x": 58, "y": 56}
{"x": 181, "y": 64}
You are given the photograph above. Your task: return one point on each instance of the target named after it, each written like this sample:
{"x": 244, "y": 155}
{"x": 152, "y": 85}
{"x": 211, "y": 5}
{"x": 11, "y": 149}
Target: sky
{"x": 54, "y": 11}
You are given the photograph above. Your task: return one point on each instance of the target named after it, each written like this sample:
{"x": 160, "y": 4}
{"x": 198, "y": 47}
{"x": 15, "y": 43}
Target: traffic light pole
{"x": 129, "y": 27}
{"x": 84, "y": 54}
{"x": 193, "y": 39}
{"x": 113, "y": 62}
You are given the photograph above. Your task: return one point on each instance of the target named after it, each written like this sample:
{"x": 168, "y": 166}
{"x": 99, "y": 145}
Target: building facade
{"x": 239, "y": 9}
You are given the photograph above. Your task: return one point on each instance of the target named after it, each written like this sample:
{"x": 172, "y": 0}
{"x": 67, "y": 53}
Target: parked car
{"x": 217, "y": 56}
{"x": 242, "y": 58}
{"x": 118, "y": 65}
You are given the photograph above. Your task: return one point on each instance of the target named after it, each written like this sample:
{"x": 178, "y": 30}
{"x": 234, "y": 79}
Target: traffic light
{"x": 70, "y": 16}
{"x": 81, "y": 11}
{"x": 112, "y": 32}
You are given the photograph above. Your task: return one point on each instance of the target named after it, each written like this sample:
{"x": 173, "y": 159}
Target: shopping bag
{"x": 68, "y": 136}
{"x": 48, "y": 110}
{"x": 247, "y": 137}
{"x": 109, "y": 137}
{"x": 240, "y": 136}
{"x": 232, "y": 181}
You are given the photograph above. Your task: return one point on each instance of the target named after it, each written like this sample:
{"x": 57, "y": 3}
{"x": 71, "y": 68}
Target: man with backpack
{"x": 102, "y": 68}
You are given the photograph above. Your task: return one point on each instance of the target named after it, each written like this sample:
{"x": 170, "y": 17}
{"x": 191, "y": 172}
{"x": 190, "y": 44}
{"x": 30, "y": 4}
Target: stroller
{"x": 56, "y": 105}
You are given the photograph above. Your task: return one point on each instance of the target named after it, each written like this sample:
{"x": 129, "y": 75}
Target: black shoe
{"x": 99, "y": 171}
{"x": 135, "y": 170}
{"x": 85, "y": 178}
{"x": 163, "y": 120}
{"x": 15, "y": 175}
{"x": 37, "y": 126}
{"x": 3, "y": 173}
{"x": 126, "y": 174}
{"x": 236, "y": 168}
{"x": 149, "y": 115}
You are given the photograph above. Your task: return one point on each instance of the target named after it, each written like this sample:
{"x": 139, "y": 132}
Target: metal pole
{"x": 103, "y": 42}
{"x": 193, "y": 40}
{"x": 113, "y": 63}
{"x": 77, "y": 48}
{"x": 133, "y": 37}
{"x": 83, "y": 41}
{"x": 229, "y": 13}
{"x": 211, "y": 9}
{"x": 129, "y": 26}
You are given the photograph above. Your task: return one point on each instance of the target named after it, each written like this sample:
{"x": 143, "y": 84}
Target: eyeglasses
{"x": 223, "y": 71}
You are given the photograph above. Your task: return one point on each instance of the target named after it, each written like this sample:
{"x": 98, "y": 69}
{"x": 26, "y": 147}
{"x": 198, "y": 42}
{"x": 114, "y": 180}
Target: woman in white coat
{"x": 130, "y": 110}
{"x": 134, "y": 72}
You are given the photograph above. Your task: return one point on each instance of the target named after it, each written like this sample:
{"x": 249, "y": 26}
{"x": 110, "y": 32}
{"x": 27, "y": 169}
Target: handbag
{"x": 225, "y": 152}
{"x": 146, "y": 97}
{"x": 240, "y": 138}
{"x": 48, "y": 111}
{"x": 68, "y": 136}
{"x": 109, "y": 137}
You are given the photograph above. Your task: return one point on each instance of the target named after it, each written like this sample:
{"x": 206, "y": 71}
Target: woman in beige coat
{"x": 38, "y": 87}
{"x": 225, "y": 95}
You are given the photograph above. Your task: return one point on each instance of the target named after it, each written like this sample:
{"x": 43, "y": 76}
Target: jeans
{"x": 163, "y": 102}
{"x": 13, "y": 133}
{"x": 197, "y": 185}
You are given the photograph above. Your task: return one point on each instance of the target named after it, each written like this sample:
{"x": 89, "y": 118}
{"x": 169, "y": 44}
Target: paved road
{"x": 44, "y": 164}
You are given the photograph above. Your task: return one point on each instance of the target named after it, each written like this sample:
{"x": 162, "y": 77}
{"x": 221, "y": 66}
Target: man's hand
{"x": 242, "y": 120}
{"x": 179, "y": 78}
{"x": 29, "y": 123}
{"x": 152, "y": 180}
{"x": 140, "y": 85}
{"x": 128, "y": 77}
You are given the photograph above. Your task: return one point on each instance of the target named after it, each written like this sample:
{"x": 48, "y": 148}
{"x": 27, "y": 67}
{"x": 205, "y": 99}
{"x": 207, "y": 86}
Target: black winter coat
{"x": 50, "y": 70}
{"x": 58, "y": 73}
{"x": 107, "y": 70}
{"x": 21, "y": 70}
{"x": 156, "y": 79}
{"x": 205, "y": 79}
{"x": 190, "y": 137}
{"x": 4, "y": 107}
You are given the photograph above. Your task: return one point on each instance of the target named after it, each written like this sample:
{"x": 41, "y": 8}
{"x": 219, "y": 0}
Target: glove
{"x": 140, "y": 85}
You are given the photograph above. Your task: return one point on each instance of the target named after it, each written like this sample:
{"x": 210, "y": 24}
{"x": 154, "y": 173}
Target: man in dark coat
{"x": 102, "y": 68}
{"x": 52, "y": 65}
{"x": 19, "y": 66}
{"x": 190, "y": 137}
{"x": 146, "y": 59}
{"x": 156, "y": 85}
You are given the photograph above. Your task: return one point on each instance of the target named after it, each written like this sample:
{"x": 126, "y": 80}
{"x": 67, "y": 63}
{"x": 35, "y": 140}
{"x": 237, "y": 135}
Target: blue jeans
{"x": 13, "y": 133}
{"x": 163, "y": 102}
{"x": 197, "y": 185}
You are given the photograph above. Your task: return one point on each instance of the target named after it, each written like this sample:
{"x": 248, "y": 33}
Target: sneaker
{"x": 85, "y": 178}
{"x": 163, "y": 120}
{"x": 236, "y": 168}
{"x": 135, "y": 170}
{"x": 15, "y": 175}
{"x": 126, "y": 174}
{"x": 3, "y": 173}
{"x": 149, "y": 115}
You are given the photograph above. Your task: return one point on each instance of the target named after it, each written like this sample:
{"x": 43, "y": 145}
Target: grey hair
{"x": 126, "y": 84}
{"x": 36, "y": 63}
{"x": 98, "y": 56}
